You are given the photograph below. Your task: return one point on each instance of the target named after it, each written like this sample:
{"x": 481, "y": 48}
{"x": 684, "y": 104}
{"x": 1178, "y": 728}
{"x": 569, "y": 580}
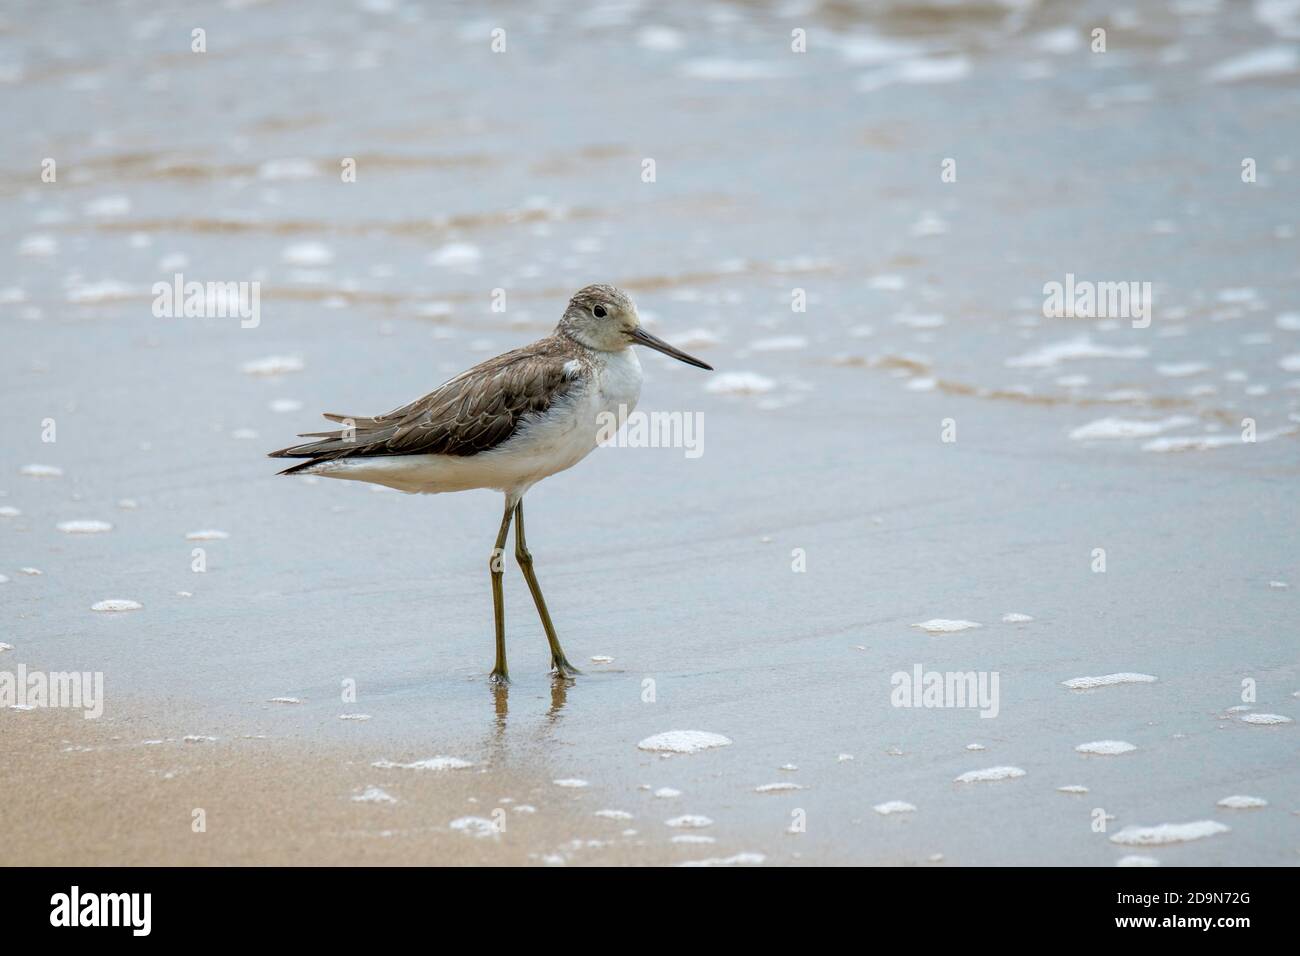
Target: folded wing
{"x": 474, "y": 412}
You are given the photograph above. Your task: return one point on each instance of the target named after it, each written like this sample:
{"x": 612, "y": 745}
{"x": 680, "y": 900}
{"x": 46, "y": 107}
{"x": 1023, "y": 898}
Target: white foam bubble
{"x": 739, "y": 383}
{"x": 780, "y": 343}
{"x": 571, "y": 783}
{"x": 1166, "y": 833}
{"x": 689, "y": 821}
{"x": 929, "y": 224}
{"x": 867, "y": 48}
{"x": 84, "y": 526}
{"x": 1212, "y": 441}
{"x": 1074, "y": 349}
{"x": 38, "y": 246}
{"x": 695, "y": 339}
{"x": 602, "y": 659}
{"x": 614, "y": 814}
{"x": 929, "y": 321}
{"x": 208, "y": 534}
{"x": 1014, "y": 617}
{"x": 667, "y": 793}
{"x": 1135, "y": 860}
{"x": 374, "y": 795}
{"x": 777, "y": 787}
{"x": 307, "y": 254}
{"x": 1107, "y": 680}
{"x": 456, "y": 255}
{"x": 1181, "y": 369}
{"x": 941, "y": 625}
{"x": 432, "y": 763}
{"x": 354, "y": 716}
{"x": 739, "y": 859}
{"x": 1106, "y": 748}
{"x": 990, "y": 774}
{"x": 1267, "y": 719}
{"x": 41, "y": 471}
{"x": 1241, "y": 802}
{"x": 273, "y": 365}
{"x": 1059, "y": 41}
{"x": 683, "y": 741}
{"x": 107, "y": 206}
{"x": 696, "y": 838}
{"x": 893, "y": 806}
{"x": 1259, "y": 64}
{"x": 1105, "y": 428}
{"x": 9, "y": 511}
{"x": 1072, "y": 788}
{"x": 728, "y": 70}
{"x": 115, "y": 604}
{"x": 288, "y": 169}
{"x": 285, "y": 700}
{"x": 660, "y": 39}
{"x": 106, "y": 290}
{"x": 919, "y": 70}
{"x": 474, "y": 826}
{"x": 887, "y": 283}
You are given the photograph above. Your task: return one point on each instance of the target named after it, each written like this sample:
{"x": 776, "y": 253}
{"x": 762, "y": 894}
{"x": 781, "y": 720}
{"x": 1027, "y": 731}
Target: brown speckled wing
{"x": 475, "y": 411}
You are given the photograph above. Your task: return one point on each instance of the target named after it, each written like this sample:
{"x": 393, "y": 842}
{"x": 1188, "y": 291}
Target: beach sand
{"x": 116, "y": 792}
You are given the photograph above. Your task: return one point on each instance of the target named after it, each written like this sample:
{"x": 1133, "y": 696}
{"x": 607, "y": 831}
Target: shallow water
{"x": 824, "y": 438}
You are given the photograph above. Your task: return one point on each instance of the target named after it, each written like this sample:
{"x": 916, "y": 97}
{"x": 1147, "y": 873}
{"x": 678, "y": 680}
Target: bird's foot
{"x": 560, "y": 667}
{"x": 499, "y": 677}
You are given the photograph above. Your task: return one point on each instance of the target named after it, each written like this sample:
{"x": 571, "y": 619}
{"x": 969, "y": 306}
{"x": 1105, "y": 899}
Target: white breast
{"x": 620, "y": 381}
{"x": 568, "y": 432}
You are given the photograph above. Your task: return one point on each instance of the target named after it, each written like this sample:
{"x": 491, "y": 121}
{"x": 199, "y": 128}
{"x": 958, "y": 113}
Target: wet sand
{"x": 767, "y": 590}
{"x": 114, "y": 792}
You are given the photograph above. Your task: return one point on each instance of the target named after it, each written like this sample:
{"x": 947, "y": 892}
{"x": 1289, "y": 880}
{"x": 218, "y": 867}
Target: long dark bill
{"x": 642, "y": 337}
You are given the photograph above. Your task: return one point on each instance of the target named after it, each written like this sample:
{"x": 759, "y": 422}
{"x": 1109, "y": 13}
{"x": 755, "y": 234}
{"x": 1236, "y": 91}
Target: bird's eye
{"x": 599, "y": 312}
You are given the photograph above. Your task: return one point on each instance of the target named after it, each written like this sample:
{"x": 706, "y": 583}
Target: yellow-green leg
{"x": 496, "y": 564}
{"x": 559, "y": 663}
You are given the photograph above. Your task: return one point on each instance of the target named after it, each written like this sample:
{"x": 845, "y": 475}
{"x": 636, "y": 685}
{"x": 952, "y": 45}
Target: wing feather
{"x": 472, "y": 413}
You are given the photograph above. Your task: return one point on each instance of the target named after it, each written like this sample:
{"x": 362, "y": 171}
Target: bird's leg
{"x": 496, "y": 564}
{"x": 559, "y": 663}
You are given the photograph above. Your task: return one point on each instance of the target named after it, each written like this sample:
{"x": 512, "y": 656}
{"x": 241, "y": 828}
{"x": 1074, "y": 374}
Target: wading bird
{"x": 505, "y": 424}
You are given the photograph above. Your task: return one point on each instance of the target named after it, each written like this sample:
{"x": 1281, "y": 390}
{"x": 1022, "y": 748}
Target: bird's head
{"x": 604, "y": 318}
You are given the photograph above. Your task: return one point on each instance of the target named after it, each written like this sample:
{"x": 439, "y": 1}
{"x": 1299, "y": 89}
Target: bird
{"x": 505, "y": 424}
